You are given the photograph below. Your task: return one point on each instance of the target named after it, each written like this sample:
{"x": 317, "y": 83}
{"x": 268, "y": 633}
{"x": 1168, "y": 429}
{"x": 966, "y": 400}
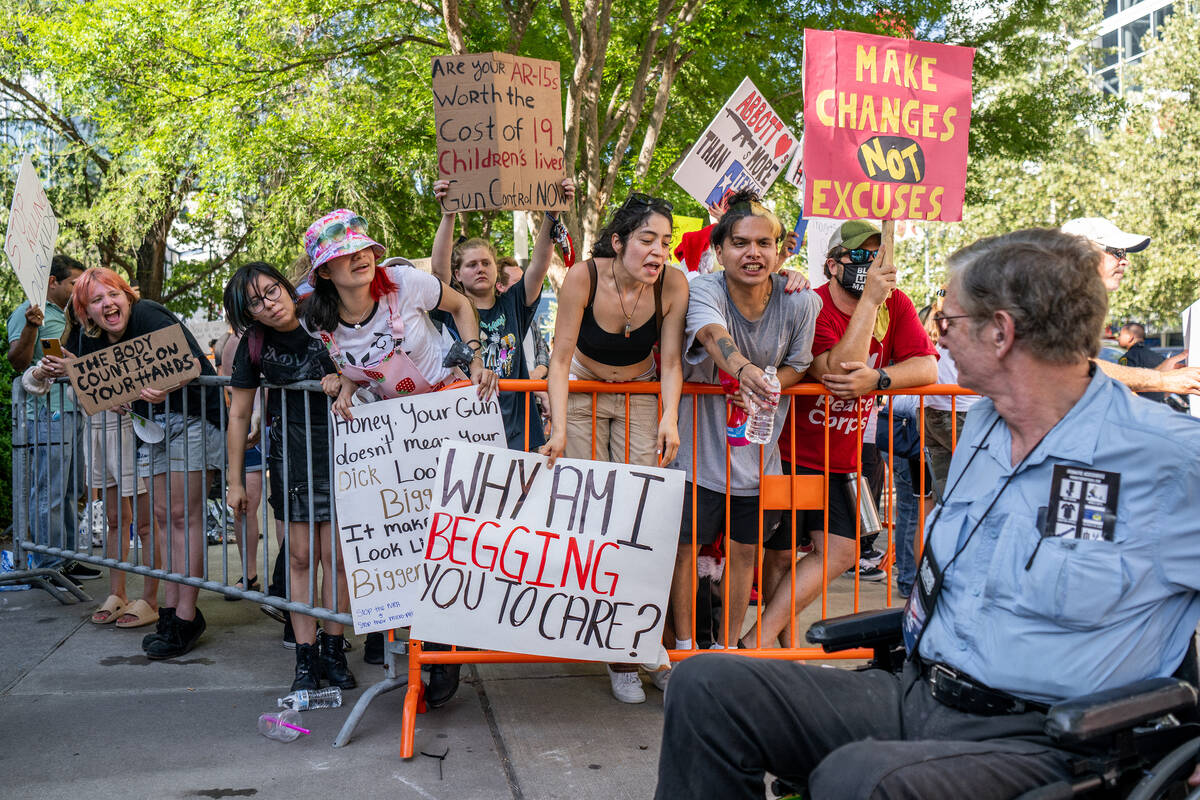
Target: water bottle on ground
{"x": 762, "y": 421}
{"x": 304, "y": 699}
{"x": 282, "y": 725}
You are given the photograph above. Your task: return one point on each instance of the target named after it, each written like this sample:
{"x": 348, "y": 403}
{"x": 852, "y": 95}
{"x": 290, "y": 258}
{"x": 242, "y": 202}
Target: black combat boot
{"x": 333, "y": 661}
{"x": 443, "y": 679}
{"x": 308, "y": 670}
{"x": 166, "y": 616}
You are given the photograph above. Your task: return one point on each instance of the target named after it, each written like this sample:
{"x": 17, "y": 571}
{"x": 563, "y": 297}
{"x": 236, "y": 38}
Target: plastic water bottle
{"x": 305, "y": 699}
{"x": 282, "y": 725}
{"x": 762, "y": 421}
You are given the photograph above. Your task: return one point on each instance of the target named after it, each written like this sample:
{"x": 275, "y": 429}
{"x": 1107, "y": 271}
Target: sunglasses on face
{"x": 942, "y": 321}
{"x": 860, "y": 255}
{"x": 1116, "y": 252}
{"x": 259, "y": 301}
{"x": 336, "y": 231}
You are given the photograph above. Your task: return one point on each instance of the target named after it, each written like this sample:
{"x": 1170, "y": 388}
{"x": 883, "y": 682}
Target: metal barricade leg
{"x": 392, "y": 650}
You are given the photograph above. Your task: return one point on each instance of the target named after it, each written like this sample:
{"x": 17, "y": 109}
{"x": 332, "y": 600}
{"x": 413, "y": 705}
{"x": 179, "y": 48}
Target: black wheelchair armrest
{"x": 1094, "y": 715}
{"x": 880, "y": 628}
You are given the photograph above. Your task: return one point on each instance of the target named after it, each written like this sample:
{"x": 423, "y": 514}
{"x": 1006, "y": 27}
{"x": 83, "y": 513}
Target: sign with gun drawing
{"x": 746, "y": 145}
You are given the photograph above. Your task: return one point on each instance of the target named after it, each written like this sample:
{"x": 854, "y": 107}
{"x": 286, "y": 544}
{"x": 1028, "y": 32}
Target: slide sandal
{"x": 141, "y": 612}
{"x": 113, "y": 607}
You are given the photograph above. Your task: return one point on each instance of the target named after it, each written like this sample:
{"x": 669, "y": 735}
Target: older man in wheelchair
{"x": 1047, "y": 648}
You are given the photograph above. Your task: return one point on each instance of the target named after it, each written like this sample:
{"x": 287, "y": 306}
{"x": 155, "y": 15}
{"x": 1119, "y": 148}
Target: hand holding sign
{"x": 144, "y": 368}
{"x": 881, "y": 277}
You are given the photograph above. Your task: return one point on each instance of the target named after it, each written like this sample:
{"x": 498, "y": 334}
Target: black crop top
{"x": 614, "y": 349}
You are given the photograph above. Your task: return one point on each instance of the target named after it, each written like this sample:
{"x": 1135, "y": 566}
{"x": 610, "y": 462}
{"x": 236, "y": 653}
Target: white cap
{"x": 1105, "y": 234}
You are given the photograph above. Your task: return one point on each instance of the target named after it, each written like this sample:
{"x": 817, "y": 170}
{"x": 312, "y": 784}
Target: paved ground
{"x": 83, "y": 714}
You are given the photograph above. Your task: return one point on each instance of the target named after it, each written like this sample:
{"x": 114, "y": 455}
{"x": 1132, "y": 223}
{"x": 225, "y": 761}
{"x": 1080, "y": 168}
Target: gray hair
{"x": 1049, "y": 281}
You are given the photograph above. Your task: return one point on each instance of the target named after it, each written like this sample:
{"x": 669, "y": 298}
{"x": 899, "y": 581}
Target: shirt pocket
{"x": 1077, "y": 583}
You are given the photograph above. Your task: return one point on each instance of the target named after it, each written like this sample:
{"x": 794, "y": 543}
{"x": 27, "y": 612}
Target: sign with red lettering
{"x": 569, "y": 562}
{"x": 32, "y": 234}
{"x": 499, "y": 124}
{"x": 384, "y": 461}
{"x": 885, "y": 127}
{"x": 747, "y": 145}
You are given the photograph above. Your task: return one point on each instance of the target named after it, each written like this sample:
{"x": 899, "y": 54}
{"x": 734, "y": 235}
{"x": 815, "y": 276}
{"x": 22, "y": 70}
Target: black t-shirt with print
{"x": 502, "y": 329}
{"x": 287, "y": 357}
{"x": 146, "y": 316}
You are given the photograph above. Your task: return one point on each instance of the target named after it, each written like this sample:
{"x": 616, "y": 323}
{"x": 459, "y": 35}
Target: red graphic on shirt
{"x": 378, "y": 377}
{"x": 406, "y": 386}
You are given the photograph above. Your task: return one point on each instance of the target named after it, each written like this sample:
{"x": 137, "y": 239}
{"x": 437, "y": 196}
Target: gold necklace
{"x": 621, "y": 298}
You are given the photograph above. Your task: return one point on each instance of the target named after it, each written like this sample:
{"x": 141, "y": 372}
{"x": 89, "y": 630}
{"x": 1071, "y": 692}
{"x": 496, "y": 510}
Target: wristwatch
{"x": 884, "y": 380}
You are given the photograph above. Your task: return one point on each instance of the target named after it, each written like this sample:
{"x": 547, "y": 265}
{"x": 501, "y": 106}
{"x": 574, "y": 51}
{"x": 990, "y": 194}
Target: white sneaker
{"x": 660, "y": 678}
{"x": 626, "y": 686}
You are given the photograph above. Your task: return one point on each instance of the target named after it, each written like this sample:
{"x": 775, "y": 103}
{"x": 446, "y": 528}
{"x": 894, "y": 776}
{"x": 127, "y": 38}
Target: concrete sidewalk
{"x": 83, "y": 714}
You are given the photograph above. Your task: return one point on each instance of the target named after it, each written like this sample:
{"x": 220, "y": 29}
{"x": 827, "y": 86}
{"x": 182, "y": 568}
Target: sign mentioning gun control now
{"x": 384, "y": 462}
{"x": 114, "y": 376}
{"x": 499, "y": 132}
{"x": 569, "y": 562}
{"x": 885, "y": 127}
{"x": 32, "y": 234}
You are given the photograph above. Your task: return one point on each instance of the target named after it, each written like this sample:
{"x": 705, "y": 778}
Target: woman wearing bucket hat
{"x": 375, "y": 323}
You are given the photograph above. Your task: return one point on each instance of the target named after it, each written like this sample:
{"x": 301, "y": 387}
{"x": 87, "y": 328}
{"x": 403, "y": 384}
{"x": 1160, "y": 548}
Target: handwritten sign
{"x": 499, "y": 132}
{"x": 569, "y": 562}
{"x": 384, "y": 463}
{"x": 746, "y": 145}
{"x": 32, "y": 234}
{"x": 885, "y": 126}
{"x": 116, "y": 375}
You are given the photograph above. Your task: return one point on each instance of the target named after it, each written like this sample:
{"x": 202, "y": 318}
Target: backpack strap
{"x": 254, "y": 345}
{"x": 591, "y": 265}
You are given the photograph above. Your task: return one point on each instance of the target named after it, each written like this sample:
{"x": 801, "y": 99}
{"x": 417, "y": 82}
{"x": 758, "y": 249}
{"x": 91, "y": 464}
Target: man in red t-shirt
{"x": 865, "y": 324}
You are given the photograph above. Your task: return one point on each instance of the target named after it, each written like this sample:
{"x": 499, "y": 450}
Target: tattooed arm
{"x": 725, "y": 354}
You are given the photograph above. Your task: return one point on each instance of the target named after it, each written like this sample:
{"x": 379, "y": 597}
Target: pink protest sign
{"x": 885, "y": 126}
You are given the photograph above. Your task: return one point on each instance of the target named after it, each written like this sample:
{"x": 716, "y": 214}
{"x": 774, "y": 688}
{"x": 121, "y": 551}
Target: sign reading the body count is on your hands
{"x": 384, "y": 462}
{"x": 116, "y": 375}
{"x": 32, "y": 234}
{"x": 885, "y": 127}
{"x": 499, "y": 132}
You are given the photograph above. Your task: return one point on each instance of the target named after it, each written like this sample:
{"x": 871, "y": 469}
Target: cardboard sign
{"x": 885, "y": 126}
{"x": 569, "y": 562}
{"x": 384, "y": 463}
{"x": 499, "y": 132}
{"x": 116, "y": 375}
{"x": 746, "y": 145}
{"x": 32, "y": 234}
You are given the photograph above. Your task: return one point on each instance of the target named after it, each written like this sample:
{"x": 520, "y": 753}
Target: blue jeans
{"x": 54, "y": 482}
{"x": 906, "y": 526}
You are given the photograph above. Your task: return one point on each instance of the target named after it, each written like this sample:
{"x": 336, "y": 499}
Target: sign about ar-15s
{"x": 573, "y": 561}
{"x": 114, "y": 376}
{"x": 384, "y": 461}
{"x": 499, "y": 132}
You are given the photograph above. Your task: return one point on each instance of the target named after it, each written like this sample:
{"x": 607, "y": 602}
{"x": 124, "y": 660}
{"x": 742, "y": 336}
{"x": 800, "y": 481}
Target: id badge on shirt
{"x": 1083, "y": 504}
{"x": 921, "y": 601}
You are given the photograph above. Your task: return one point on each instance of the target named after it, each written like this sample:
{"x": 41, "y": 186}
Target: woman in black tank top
{"x": 611, "y": 312}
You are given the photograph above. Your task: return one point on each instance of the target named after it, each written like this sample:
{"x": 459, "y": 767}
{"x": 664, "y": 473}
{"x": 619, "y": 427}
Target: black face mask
{"x": 854, "y": 278}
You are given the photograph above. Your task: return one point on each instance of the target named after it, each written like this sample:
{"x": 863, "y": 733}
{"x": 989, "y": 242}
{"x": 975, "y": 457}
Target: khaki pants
{"x": 611, "y": 443}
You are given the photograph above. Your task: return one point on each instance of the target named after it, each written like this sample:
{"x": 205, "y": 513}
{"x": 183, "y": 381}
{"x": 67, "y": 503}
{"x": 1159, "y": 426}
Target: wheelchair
{"x": 1135, "y": 742}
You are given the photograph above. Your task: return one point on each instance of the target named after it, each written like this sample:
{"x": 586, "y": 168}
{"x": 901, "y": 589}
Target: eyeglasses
{"x": 942, "y": 321}
{"x": 336, "y": 231}
{"x": 860, "y": 255}
{"x": 1116, "y": 252}
{"x": 259, "y": 301}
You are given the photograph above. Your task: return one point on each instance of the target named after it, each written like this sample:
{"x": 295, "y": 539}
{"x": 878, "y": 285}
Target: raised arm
{"x": 20, "y": 350}
{"x": 467, "y": 323}
{"x": 443, "y": 241}
{"x": 543, "y": 248}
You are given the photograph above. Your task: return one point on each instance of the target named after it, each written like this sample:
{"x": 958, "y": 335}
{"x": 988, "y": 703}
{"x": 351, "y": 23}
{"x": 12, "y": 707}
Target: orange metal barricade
{"x": 777, "y": 492}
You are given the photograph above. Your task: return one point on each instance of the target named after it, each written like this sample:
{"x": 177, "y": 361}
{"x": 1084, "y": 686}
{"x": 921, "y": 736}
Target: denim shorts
{"x": 191, "y": 444}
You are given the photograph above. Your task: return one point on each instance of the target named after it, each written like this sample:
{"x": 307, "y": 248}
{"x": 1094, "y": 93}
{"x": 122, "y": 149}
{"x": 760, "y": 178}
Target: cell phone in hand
{"x": 52, "y": 347}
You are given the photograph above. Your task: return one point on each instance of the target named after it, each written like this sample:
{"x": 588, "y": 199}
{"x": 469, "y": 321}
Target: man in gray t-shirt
{"x": 742, "y": 327}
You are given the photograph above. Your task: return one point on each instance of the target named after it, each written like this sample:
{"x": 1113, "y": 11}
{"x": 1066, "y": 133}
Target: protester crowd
{"x": 367, "y": 328}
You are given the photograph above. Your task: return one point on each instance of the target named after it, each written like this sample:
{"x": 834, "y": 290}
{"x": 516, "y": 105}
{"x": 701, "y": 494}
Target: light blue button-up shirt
{"x": 1086, "y": 615}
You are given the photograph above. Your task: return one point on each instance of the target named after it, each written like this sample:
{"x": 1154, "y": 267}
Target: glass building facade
{"x": 1122, "y": 38}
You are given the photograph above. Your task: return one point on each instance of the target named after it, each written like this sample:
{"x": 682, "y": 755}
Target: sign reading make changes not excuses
{"x": 114, "y": 376}
{"x": 384, "y": 462}
{"x": 499, "y": 132}
{"x": 885, "y": 127}
{"x": 746, "y": 146}
{"x": 569, "y": 562}
{"x": 32, "y": 234}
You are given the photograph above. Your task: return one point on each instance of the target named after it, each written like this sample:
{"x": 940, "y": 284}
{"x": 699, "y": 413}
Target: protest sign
{"x": 569, "y": 562}
{"x": 384, "y": 461}
{"x": 681, "y": 225}
{"x": 746, "y": 145}
{"x": 795, "y": 171}
{"x": 32, "y": 234}
{"x": 885, "y": 126}
{"x": 116, "y": 375}
{"x": 499, "y": 132}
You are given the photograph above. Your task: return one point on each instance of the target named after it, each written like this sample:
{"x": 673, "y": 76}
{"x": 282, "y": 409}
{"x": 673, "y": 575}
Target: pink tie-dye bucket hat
{"x": 338, "y": 233}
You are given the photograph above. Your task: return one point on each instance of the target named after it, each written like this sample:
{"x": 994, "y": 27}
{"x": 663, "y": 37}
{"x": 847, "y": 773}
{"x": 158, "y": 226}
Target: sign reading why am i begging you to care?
{"x": 573, "y": 561}
{"x": 384, "y": 461}
{"x": 885, "y": 127}
{"x": 499, "y": 132}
